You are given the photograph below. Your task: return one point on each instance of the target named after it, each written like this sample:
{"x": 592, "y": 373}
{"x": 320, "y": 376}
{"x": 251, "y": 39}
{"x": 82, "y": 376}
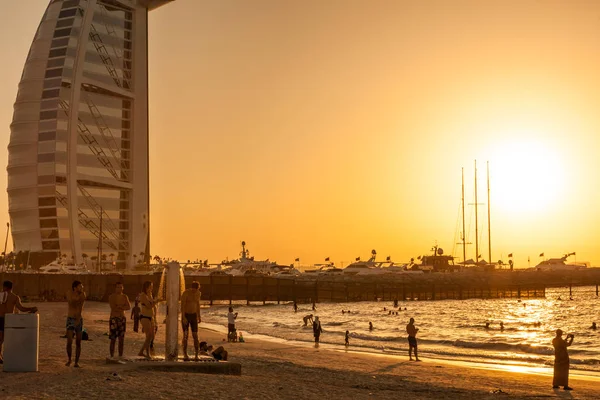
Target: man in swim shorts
{"x": 75, "y": 299}
{"x": 190, "y": 316}
{"x": 412, "y": 339}
{"x": 119, "y": 303}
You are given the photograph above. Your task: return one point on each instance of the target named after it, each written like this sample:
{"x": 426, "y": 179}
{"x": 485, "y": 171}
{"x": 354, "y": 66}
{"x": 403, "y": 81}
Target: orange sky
{"x": 314, "y": 128}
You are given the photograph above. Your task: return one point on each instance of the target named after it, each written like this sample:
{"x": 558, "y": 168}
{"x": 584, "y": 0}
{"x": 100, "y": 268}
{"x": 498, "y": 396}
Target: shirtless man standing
{"x": 119, "y": 303}
{"x": 190, "y": 316}
{"x": 75, "y": 299}
{"x": 8, "y": 302}
{"x": 412, "y": 338}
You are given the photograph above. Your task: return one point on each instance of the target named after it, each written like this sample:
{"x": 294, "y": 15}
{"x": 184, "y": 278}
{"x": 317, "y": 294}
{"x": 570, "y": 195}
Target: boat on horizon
{"x": 560, "y": 264}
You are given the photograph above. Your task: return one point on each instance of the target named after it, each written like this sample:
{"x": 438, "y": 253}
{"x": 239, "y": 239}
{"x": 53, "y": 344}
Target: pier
{"x": 263, "y": 289}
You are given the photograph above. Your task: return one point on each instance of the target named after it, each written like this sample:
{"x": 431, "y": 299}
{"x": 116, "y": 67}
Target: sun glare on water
{"x": 527, "y": 177}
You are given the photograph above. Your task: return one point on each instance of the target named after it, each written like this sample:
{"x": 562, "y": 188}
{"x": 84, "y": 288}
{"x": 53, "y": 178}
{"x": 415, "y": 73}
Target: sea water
{"x": 451, "y": 329}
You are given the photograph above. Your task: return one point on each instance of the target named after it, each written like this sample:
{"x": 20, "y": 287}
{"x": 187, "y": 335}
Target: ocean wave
{"x": 501, "y": 346}
{"x": 373, "y": 338}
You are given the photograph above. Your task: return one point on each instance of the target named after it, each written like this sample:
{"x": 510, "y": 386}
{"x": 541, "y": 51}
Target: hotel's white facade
{"x": 78, "y": 152}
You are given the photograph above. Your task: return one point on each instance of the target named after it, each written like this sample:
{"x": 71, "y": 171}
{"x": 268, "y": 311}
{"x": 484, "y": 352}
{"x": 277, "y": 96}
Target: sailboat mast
{"x": 489, "y": 220}
{"x": 462, "y": 200}
{"x": 476, "y": 221}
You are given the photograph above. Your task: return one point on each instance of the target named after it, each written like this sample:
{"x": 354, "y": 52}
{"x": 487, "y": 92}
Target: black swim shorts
{"x": 1, "y": 324}
{"x": 412, "y": 341}
{"x": 192, "y": 321}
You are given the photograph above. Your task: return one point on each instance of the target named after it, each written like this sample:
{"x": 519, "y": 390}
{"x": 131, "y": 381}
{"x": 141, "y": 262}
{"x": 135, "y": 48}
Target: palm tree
{"x": 157, "y": 259}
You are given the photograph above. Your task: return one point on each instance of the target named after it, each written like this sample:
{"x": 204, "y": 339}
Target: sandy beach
{"x": 270, "y": 370}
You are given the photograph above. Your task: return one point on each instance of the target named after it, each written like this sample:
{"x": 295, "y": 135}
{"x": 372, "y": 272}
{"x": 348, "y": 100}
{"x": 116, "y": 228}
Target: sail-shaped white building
{"x": 78, "y": 151}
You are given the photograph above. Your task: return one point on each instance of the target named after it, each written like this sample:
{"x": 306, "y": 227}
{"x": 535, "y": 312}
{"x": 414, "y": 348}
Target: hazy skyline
{"x": 318, "y": 129}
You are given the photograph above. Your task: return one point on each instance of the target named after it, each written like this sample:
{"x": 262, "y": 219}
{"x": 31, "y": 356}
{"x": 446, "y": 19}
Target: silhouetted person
{"x": 295, "y": 307}
{"x": 501, "y": 326}
{"x": 307, "y": 318}
{"x": 487, "y": 325}
{"x": 593, "y": 326}
{"x": 561, "y": 360}
{"x": 314, "y": 308}
{"x": 412, "y": 339}
{"x": 317, "y": 329}
{"x": 347, "y": 338}
{"x": 370, "y": 326}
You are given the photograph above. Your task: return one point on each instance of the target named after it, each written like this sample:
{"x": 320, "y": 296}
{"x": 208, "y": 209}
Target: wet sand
{"x": 270, "y": 370}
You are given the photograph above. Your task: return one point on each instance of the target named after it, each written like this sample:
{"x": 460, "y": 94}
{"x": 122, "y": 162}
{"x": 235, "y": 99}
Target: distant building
{"x": 78, "y": 152}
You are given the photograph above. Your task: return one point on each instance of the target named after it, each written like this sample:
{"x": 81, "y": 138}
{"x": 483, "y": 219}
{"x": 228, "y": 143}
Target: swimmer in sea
{"x": 501, "y": 326}
{"x": 593, "y": 327}
{"x": 487, "y": 325}
{"x": 307, "y": 318}
{"x": 370, "y": 326}
{"x": 347, "y": 338}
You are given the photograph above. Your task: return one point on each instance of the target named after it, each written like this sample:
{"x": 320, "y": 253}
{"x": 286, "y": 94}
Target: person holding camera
{"x": 561, "y": 360}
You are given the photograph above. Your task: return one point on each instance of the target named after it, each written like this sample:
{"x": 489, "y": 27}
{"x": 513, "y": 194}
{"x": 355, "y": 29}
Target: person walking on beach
{"x": 295, "y": 307}
{"x": 75, "y": 300}
{"x": 119, "y": 303}
{"x": 190, "y": 316}
{"x": 317, "y": 329}
{"x": 147, "y": 317}
{"x": 307, "y": 318}
{"x": 135, "y": 315}
{"x": 561, "y": 360}
{"x": 347, "y": 339}
{"x": 231, "y": 333}
{"x": 8, "y": 302}
{"x": 412, "y": 339}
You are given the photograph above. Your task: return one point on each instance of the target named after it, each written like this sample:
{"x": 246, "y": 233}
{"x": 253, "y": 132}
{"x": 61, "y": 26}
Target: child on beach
{"x": 135, "y": 316}
{"x": 347, "y": 338}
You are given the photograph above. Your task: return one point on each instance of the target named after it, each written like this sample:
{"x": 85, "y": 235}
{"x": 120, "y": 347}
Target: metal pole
{"x": 100, "y": 244}
{"x": 172, "y": 329}
{"x": 476, "y": 220}
{"x": 489, "y": 226}
{"x": 464, "y": 235}
{"x": 6, "y": 243}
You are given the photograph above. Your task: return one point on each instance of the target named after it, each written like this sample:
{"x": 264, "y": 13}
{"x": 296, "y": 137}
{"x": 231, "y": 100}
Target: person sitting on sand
{"x": 561, "y": 360}
{"x": 412, "y": 339}
{"x": 219, "y": 354}
{"x": 370, "y": 326}
{"x": 147, "y": 317}
{"x": 75, "y": 300}
{"x": 135, "y": 315}
{"x": 190, "y": 316}
{"x": 119, "y": 303}
{"x": 8, "y": 302}
{"x": 317, "y": 330}
{"x": 347, "y": 339}
{"x": 593, "y": 327}
{"x": 241, "y": 338}
{"x": 307, "y": 318}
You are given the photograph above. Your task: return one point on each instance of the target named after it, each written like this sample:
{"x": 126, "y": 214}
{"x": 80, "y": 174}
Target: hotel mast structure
{"x": 78, "y": 151}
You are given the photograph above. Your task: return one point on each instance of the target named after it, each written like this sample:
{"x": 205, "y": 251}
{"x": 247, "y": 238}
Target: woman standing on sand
{"x": 561, "y": 360}
{"x": 147, "y": 317}
{"x": 317, "y": 329}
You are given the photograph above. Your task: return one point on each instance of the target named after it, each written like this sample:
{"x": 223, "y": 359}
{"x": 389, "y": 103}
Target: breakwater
{"x": 217, "y": 288}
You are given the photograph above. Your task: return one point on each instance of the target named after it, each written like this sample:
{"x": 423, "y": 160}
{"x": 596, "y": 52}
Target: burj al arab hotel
{"x": 78, "y": 151}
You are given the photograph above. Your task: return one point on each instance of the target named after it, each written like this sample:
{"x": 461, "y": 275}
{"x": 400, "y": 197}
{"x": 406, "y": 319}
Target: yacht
{"x": 60, "y": 267}
{"x": 247, "y": 263}
{"x": 369, "y": 267}
{"x": 560, "y": 264}
{"x": 437, "y": 262}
